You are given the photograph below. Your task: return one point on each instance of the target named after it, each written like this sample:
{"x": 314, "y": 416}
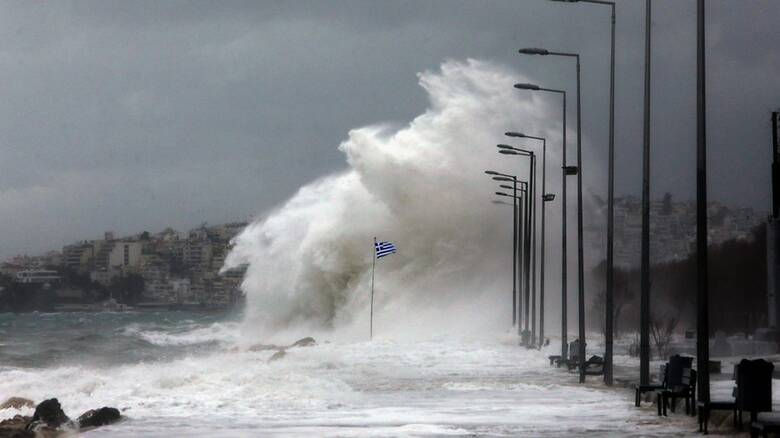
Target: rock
{"x": 17, "y": 420}
{"x": 305, "y": 342}
{"x": 264, "y": 347}
{"x": 15, "y": 427}
{"x": 38, "y": 429}
{"x": 99, "y": 417}
{"x": 50, "y": 413}
{"x": 278, "y": 355}
{"x": 17, "y": 403}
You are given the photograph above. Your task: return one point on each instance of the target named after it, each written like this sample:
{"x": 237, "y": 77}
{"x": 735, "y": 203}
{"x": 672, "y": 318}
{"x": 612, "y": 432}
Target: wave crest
{"x": 420, "y": 186}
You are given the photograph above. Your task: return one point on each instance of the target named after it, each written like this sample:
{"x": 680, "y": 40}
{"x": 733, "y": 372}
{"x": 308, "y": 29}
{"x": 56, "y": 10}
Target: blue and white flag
{"x": 383, "y": 249}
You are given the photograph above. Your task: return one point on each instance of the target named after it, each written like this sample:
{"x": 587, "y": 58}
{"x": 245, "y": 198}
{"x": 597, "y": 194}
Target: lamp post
{"x": 644, "y": 305}
{"x": 514, "y": 245}
{"x": 545, "y": 198}
{"x": 580, "y": 246}
{"x": 565, "y": 171}
{"x": 702, "y": 298}
{"x": 609, "y": 311}
{"x": 530, "y": 239}
{"x": 521, "y": 226}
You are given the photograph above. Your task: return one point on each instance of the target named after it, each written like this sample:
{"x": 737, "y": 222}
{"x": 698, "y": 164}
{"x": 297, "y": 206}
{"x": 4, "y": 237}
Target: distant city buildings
{"x": 41, "y": 276}
{"x": 176, "y": 268}
{"x": 672, "y": 229}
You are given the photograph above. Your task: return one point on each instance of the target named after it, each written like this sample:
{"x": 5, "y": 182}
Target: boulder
{"x": 99, "y": 417}
{"x": 278, "y": 355}
{"x": 263, "y": 347}
{"x": 17, "y": 403}
{"x": 15, "y": 427}
{"x": 50, "y": 413}
{"x": 305, "y": 342}
{"x": 41, "y": 430}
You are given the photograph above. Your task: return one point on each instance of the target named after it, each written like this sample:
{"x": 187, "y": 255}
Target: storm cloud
{"x": 132, "y": 116}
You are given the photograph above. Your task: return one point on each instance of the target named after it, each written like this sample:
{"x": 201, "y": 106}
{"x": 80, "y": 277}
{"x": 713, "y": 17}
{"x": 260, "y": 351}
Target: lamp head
{"x": 526, "y": 87}
{"x": 533, "y": 51}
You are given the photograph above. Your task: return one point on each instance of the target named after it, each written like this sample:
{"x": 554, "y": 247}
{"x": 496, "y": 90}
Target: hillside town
{"x": 672, "y": 228}
{"x": 172, "y": 269}
{"x": 169, "y": 269}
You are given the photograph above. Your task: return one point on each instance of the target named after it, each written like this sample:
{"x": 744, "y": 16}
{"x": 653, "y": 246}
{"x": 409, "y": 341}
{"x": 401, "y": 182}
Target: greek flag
{"x": 383, "y": 249}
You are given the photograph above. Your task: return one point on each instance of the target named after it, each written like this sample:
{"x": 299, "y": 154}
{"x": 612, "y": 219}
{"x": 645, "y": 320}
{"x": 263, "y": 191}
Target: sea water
{"x": 191, "y": 374}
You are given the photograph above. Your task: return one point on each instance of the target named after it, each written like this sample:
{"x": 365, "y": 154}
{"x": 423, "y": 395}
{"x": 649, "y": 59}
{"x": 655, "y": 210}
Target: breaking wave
{"x": 422, "y": 187}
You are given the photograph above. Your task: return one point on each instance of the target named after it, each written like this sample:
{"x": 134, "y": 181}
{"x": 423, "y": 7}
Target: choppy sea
{"x": 191, "y": 374}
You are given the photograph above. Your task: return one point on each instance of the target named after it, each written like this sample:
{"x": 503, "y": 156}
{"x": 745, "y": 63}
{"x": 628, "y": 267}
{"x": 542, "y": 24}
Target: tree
{"x": 93, "y": 290}
{"x": 662, "y": 330}
{"x": 128, "y": 288}
{"x": 623, "y": 295}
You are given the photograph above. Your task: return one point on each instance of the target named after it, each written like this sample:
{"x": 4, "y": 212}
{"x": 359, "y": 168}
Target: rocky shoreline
{"x": 49, "y": 420}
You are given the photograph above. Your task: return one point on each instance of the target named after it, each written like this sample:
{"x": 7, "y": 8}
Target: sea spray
{"x": 421, "y": 186}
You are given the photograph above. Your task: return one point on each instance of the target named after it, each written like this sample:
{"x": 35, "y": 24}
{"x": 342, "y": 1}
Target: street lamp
{"x": 644, "y": 302}
{"x": 566, "y": 170}
{"x": 522, "y": 229}
{"x": 609, "y": 311}
{"x": 545, "y": 199}
{"x": 534, "y": 51}
{"x": 530, "y": 247}
{"x": 514, "y": 240}
{"x": 580, "y": 246}
{"x": 528, "y": 87}
{"x": 501, "y": 203}
{"x": 702, "y": 293}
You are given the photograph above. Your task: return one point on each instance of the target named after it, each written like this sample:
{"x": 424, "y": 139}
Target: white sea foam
{"x": 380, "y": 388}
{"x": 188, "y": 333}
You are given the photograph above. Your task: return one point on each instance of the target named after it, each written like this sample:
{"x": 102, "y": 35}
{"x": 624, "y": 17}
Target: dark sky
{"x": 131, "y": 116}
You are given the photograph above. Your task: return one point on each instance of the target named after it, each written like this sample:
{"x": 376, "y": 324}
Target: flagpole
{"x": 373, "y": 267}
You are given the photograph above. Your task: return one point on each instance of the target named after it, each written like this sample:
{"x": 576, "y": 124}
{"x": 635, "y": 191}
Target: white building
{"x": 37, "y": 276}
{"x": 181, "y": 289}
{"x": 125, "y": 255}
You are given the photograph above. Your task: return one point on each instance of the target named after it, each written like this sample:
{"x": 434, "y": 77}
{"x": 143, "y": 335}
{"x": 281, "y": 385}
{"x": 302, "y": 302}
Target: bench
{"x": 766, "y": 423}
{"x": 686, "y": 390}
{"x": 594, "y": 366}
{"x": 715, "y": 405}
{"x": 753, "y": 393}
